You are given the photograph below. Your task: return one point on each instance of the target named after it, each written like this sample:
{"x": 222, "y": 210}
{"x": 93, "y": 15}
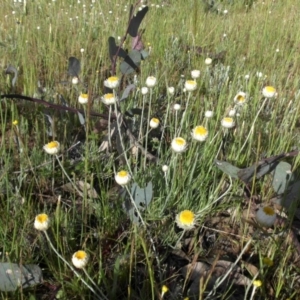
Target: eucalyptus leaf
{"x": 49, "y": 124}
{"x": 127, "y": 91}
{"x": 114, "y": 49}
{"x": 13, "y": 276}
{"x": 291, "y": 196}
{"x": 126, "y": 66}
{"x": 74, "y": 66}
{"x": 144, "y": 53}
{"x": 282, "y": 177}
{"x": 142, "y": 198}
{"x": 81, "y": 118}
{"x": 263, "y": 167}
{"x": 136, "y": 21}
{"x": 228, "y": 168}
{"x": 12, "y": 70}
{"x": 62, "y": 100}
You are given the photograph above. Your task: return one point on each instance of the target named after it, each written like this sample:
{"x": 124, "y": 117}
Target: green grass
{"x": 125, "y": 260}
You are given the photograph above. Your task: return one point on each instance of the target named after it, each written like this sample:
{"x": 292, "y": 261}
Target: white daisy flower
{"x": 240, "y": 98}
{"x": 232, "y": 112}
{"x": 41, "y": 222}
{"x": 112, "y": 82}
{"x": 228, "y": 122}
{"x": 176, "y": 106}
{"x": 269, "y": 91}
{"x": 195, "y": 74}
{"x": 165, "y": 168}
{"x": 209, "y": 114}
{"x": 122, "y": 177}
{"x": 154, "y": 123}
{"x": 200, "y": 133}
{"x": 266, "y": 216}
{"x": 144, "y": 90}
{"x": 83, "y": 98}
{"x": 151, "y": 81}
{"x": 171, "y": 90}
{"x": 190, "y": 85}
{"x": 186, "y": 220}
{"x": 75, "y": 80}
{"x": 109, "y": 99}
{"x": 179, "y": 144}
{"x": 80, "y": 259}
{"x": 52, "y": 147}
{"x": 208, "y": 61}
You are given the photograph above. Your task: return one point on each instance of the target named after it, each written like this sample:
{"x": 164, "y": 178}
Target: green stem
{"x": 148, "y": 122}
{"x": 118, "y": 116}
{"x": 252, "y": 126}
{"x": 64, "y": 171}
{"x": 73, "y": 270}
{"x": 184, "y": 113}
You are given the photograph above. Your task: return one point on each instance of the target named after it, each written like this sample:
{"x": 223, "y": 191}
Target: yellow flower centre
{"x": 113, "y": 79}
{"x": 155, "y": 120}
{"x": 257, "y": 283}
{"x": 42, "y": 218}
{"x": 15, "y": 122}
{"x": 200, "y": 130}
{"x": 164, "y": 288}
{"x": 228, "y": 120}
{"x": 240, "y": 98}
{"x": 270, "y": 89}
{"x": 85, "y": 96}
{"x": 80, "y": 255}
{"x": 187, "y": 217}
{"x": 180, "y": 141}
{"x": 52, "y": 145}
{"x": 267, "y": 261}
{"x": 269, "y": 211}
{"x": 123, "y": 173}
{"x": 109, "y": 96}
{"x": 191, "y": 82}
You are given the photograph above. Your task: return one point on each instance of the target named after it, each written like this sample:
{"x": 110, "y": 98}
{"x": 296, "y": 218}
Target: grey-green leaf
{"x": 136, "y": 58}
{"x": 142, "y": 198}
{"x": 144, "y": 53}
{"x": 127, "y": 91}
{"x": 12, "y": 70}
{"x": 290, "y": 199}
{"x": 13, "y": 276}
{"x": 228, "y": 168}
{"x": 282, "y": 176}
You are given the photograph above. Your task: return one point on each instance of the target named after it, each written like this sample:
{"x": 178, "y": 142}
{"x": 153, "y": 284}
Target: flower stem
{"x": 66, "y": 174}
{"x": 252, "y": 126}
{"x": 73, "y": 270}
{"x": 92, "y": 281}
{"x": 119, "y": 116}
{"x": 184, "y": 113}
{"x": 109, "y": 129}
{"x": 147, "y": 131}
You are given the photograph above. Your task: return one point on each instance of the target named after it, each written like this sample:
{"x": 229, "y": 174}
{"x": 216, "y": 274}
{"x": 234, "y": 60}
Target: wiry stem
{"x": 114, "y": 62}
{"x": 147, "y": 130}
{"x": 252, "y": 126}
{"x": 119, "y": 116}
{"x": 184, "y": 113}
{"x": 66, "y": 174}
{"x": 69, "y": 265}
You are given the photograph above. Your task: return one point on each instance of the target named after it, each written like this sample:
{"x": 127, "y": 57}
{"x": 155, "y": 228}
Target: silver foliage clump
{"x": 219, "y": 77}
